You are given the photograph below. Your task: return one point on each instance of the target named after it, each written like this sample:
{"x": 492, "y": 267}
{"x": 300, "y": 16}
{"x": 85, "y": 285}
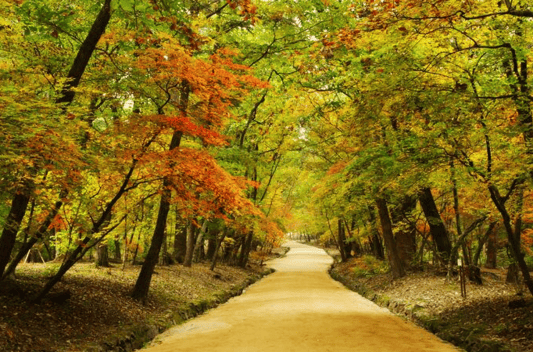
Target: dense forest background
{"x": 166, "y": 131}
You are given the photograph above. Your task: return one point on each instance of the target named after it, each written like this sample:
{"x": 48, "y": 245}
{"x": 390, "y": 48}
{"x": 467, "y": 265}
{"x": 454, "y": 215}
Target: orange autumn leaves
{"x": 200, "y": 186}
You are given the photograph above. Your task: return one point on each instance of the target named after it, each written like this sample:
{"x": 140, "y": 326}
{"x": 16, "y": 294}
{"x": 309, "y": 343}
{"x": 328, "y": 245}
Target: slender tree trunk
{"x": 85, "y": 53}
{"x": 14, "y": 219}
{"x": 134, "y": 257}
{"x": 21, "y": 199}
{"x": 388, "y": 236}
{"x": 355, "y": 244}
{"x": 199, "y": 241}
{"x": 117, "y": 254}
{"x": 331, "y": 231}
{"x": 512, "y": 235}
{"x": 142, "y": 285}
{"x": 454, "y": 254}
{"x": 82, "y": 248}
{"x": 245, "y": 250}
{"x": 163, "y": 256}
{"x": 215, "y": 256}
{"x": 347, "y": 245}
{"x": 69, "y": 262}
{"x": 211, "y": 247}
{"x": 436, "y": 225}
{"x": 237, "y": 249}
{"x": 482, "y": 241}
{"x": 180, "y": 243}
{"x": 374, "y": 239}
{"x": 102, "y": 255}
{"x": 342, "y": 241}
{"x": 190, "y": 245}
{"x": 492, "y": 251}
{"x": 452, "y": 261}
{"x": 140, "y": 291}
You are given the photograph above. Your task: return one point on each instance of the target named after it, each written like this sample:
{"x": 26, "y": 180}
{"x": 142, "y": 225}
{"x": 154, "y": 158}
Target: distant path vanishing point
{"x": 298, "y": 308}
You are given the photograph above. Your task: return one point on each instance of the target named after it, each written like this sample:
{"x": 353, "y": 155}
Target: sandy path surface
{"x": 298, "y": 308}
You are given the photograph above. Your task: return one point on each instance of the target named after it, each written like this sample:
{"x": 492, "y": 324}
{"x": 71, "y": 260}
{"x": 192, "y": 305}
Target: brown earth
{"x": 100, "y": 315}
{"x": 486, "y": 320}
{"x": 299, "y": 308}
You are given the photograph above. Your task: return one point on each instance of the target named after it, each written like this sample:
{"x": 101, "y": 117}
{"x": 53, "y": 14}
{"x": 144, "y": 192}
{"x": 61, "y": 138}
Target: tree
{"x": 23, "y": 193}
{"x": 390, "y": 243}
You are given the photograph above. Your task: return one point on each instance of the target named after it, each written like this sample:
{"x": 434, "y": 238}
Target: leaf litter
{"x": 99, "y": 305}
{"x": 494, "y": 316}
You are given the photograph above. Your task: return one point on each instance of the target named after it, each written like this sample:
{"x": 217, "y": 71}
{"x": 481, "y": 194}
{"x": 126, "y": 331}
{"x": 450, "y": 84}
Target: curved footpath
{"x": 298, "y": 308}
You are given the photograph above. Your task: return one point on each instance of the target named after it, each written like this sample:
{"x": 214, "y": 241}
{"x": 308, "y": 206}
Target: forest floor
{"x": 494, "y": 316}
{"x": 100, "y": 315}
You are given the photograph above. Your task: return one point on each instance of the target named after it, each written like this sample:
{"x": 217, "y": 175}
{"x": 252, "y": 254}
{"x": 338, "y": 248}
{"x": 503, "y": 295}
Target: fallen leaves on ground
{"x": 100, "y": 305}
{"x": 483, "y": 321}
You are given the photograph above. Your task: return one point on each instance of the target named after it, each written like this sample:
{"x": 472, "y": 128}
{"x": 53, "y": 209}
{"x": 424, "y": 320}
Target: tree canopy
{"x": 400, "y": 128}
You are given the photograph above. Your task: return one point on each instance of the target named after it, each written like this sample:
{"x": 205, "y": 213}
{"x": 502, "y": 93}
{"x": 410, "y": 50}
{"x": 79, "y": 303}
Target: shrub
{"x": 368, "y": 265}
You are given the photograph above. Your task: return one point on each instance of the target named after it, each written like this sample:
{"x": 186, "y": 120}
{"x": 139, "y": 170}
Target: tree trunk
{"x": 142, "y": 285}
{"x": 180, "y": 243}
{"x": 211, "y": 247}
{"x": 199, "y": 241}
{"x": 67, "y": 264}
{"x": 19, "y": 205}
{"x": 492, "y": 251}
{"x": 482, "y": 241}
{"x": 513, "y": 236}
{"x": 134, "y": 257}
{"x": 187, "y": 262}
{"x": 355, "y": 243}
{"x": 117, "y": 254}
{"x": 347, "y": 243}
{"x": 21, "y": 199}
{"x": 140, "y": 291}
{"x": 237, "y": 248}
{"x": 84, "y": 246}
{"x": 436, "y": 225}
{"x": 85, "y": 53}
{"x": 102, "y": 255}
{"x": 163, "y": 255}
{"x": 513, "y": 274}
{"x": 331, "y": 231}
{"x": 342, "y": 241}
{"x": 452, "y": 261}
{"x": 405, "y": 236}
{"x": 388, "y": 236}
{"x": 245, "y": 250}
{"x": 521, "y": 91}
{"x": 374, "y": 239}
{"x": 215, "y": 256}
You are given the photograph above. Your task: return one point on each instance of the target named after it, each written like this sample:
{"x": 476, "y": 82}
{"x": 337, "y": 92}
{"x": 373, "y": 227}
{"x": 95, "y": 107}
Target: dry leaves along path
{"x": 299, "y": 308}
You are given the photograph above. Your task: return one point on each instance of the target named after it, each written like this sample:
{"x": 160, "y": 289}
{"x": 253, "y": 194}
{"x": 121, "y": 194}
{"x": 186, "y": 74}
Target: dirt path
{"x": 299, "y": 308}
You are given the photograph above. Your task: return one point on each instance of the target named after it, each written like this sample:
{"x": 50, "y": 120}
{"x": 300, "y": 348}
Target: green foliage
{"x": 368, "y": 266}
{"x": 323, "y": 105}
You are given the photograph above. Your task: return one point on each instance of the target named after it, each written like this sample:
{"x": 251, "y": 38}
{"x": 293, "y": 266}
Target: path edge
{"x": 140, "y": 335}
{"x": 412, "y": 313}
